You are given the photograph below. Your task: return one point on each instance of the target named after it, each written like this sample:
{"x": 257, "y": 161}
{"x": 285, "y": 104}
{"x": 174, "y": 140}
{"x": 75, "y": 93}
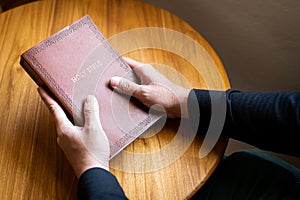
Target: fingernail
{"x": 89, "y": 98}
{"x": 114, "y": 81}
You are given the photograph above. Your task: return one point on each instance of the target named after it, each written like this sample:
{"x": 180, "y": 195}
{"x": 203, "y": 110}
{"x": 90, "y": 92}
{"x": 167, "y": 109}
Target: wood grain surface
{"x": 31, "y": 164}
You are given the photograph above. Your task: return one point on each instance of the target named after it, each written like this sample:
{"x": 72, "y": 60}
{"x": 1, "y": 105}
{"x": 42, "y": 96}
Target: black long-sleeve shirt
{"x": 97, "y": 183}
{"x": 268, "y": 120}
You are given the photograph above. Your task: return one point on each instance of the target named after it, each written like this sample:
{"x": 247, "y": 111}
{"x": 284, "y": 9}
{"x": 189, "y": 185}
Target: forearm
{"x": 97, "y": 183}
{"x": 268, "y": 120}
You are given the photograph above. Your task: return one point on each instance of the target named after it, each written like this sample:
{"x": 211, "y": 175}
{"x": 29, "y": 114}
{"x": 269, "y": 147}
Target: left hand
{"x": 155, "y": 90}
{"x": 85, "y": 147}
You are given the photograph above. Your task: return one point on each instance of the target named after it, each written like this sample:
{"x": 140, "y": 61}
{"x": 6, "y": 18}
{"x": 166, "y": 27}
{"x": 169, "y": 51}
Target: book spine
{"x": 32, "y": 73}
{"x": 27, "y": 66}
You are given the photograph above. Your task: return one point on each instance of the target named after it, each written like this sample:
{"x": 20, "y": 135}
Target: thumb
{"x": 91, "y": 110}
{"x": 123, "y": 85}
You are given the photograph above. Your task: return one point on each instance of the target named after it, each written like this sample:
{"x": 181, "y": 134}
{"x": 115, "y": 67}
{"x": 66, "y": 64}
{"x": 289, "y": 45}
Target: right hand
{"x": 85, "y": 147}
{"x": 155, "y": 90}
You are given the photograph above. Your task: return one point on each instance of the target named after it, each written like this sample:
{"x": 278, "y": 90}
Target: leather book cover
{"x": 78, "y": 61}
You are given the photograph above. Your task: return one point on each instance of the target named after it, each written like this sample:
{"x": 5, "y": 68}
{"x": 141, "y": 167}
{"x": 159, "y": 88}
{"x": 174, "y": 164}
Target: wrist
{"x": 180, "y": 108}
{"x": 183, "y": 101}
{"x": 81, "y": 168}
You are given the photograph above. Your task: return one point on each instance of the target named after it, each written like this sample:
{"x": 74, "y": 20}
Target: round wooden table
{"x": 31, "y": 164}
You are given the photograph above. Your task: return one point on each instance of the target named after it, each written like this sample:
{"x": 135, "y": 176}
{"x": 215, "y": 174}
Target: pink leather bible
{"x": 78, "y": 61}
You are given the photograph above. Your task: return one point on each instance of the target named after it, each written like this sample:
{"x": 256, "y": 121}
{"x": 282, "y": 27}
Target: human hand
{"x": 155, "y": 89}
{"x": 85, "y": 147}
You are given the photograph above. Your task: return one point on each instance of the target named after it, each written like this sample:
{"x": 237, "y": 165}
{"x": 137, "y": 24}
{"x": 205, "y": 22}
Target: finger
{"x": 141, "y": 69}
{"x": 141, "y": 92}
{"x": 145, "y": 72}
{"x": 132, "y": 63}
{"x": 58, "y": 113}
{"x": 91, "y": 111}
{"x": 123, "y": 85}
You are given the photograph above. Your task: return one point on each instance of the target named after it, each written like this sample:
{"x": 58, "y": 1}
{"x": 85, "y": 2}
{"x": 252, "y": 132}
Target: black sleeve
{"x": 267, "y": 120}
{"x": 97, "y": 183}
